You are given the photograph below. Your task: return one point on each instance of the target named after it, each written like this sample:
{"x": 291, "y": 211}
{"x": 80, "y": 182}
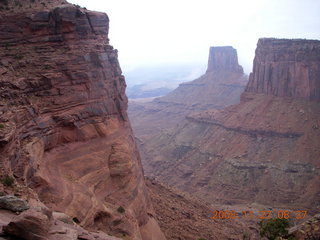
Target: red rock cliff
{"x": 223, "y": 58}
{"x": 287, "y": 68}
{"x": 220, "y": 86}
{"x": 265, "y": 150}
{"x": 64, "y": 127}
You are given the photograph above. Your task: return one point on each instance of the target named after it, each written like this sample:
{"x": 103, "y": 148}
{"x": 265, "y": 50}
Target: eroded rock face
{"x": 40, "y": 223}
{"x": 219, "y": 87}
{"x": 223, "y": 58}
{"x": 65, "y": 131}
{"x": 287, "y": 68}
{"x": 264, "y": 150}
{"x": 33, "y": 224}
{"x": 13, "y": 203}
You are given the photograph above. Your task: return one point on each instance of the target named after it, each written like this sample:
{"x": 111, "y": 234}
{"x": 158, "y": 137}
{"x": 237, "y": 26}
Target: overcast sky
{"x": 180, "y": 31}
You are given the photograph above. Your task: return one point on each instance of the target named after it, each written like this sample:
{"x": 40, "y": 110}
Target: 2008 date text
{"x": 281, "y": 214}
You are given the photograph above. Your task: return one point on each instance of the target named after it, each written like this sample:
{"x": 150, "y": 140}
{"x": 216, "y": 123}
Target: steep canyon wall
{"x": 65, "y": 133}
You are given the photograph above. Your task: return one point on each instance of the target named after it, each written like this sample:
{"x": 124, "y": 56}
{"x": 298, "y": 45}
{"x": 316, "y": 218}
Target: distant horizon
{"x": 176, "y": 32}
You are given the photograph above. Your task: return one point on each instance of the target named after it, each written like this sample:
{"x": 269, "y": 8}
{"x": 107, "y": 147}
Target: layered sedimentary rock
{"x": 64, "y": 134}
{"x": 219, "y": 87}
{"x": 264, "y": 150}
{"x": 182, "y": 216}
{"x": 223, "y": 58}
{"x": 287, "y": 68}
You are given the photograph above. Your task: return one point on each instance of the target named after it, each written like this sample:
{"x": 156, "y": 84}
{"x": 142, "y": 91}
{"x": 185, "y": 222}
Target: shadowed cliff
{"x": 65, "y": 135}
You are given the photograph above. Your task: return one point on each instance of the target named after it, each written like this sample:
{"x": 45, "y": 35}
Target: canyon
{"x": 65, "y": 139}
{"x": 263, "y": 151}
{"x": 219, "y": 87}
{"x": 70, "y": 167}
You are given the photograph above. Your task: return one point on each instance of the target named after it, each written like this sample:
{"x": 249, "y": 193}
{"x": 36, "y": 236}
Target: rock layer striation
{"x": 287, "y": 68}
{"x": 223, "y": 58}
{"x": 219, "y": 87}
{"x": 264, "y": 150}
{"x": 64, "y": 131}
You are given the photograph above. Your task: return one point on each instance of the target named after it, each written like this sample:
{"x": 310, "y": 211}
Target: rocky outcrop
{"x": 64, "y": 133}
{"x": 287, "y": 68}
{"x": 184, "y": 216}
{"x": 13, "y": 203}
{"x": 223, "y": 58}
{"x": 263, "y": 150}
{"x": 219, "y": 87}
{"x": 40, "y": 223}
{"x": 31, "y": 224}
{"x": 307, "y": 230}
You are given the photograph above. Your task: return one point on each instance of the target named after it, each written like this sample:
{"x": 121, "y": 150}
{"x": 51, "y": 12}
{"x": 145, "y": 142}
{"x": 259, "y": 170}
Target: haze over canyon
{"x": 79, "y": 161}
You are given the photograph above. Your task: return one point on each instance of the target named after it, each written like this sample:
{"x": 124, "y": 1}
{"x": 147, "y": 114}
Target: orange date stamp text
{"x": 266, "y": 214}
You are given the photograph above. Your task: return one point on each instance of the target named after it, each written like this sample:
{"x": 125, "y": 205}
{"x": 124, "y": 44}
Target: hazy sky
{"x": 181, "y": 31}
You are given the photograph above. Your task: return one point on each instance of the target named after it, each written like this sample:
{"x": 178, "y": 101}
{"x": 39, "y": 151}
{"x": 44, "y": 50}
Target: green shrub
{"x": 202, "y": 239}
{"x": 245, "y": 236}
{"x": 7, "y": 181}
{"x": 291, "y": 238}
{"x": 273, "y": 228}
{"x": 121, "y": 209}
{"x": 18, "y": 57}
{"x": 46, "y": 67}
{"x": 1, "y": 125}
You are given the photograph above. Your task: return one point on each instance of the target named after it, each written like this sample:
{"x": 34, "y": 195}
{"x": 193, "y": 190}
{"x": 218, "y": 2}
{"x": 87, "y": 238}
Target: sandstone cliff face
{"x": 223, "y": 58}
{"x": 287, "y": 68}
{"x": 264, "y": 150}
{"x": 219, "y": 87}
{"x": 64, "y": 128}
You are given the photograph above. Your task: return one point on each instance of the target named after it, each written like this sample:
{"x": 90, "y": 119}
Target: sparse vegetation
{"x": 66, "y": 221}
{"x": 313, "y": 236}
{"x": 46, "y": 67}
{"x": 17, "y": 3}
{"x": 121, "y": 209}
{"x": 245, "y": 236}
{"x": 7, "y": 181}
{"x": 18, "y": 57}
{"x": 291, "y": 238}
{"x": 1, "y": 126}
{"x": 202, "y": 239}
{"x": 273, "y": 228}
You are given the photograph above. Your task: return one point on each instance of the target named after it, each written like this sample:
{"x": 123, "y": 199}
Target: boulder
{"x": 13, "y": 203}
{"x": 33, "y": 224}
